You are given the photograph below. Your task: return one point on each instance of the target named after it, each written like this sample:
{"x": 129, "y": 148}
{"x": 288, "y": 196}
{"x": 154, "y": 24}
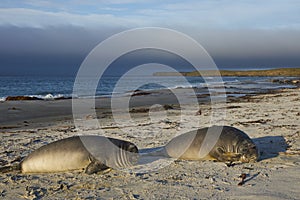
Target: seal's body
{"x": 92, "y": 153}
{"x": 225, "y": 144}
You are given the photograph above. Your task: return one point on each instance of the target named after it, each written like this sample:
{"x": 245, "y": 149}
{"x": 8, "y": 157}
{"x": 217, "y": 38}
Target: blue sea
{"x": 58, "y": 87}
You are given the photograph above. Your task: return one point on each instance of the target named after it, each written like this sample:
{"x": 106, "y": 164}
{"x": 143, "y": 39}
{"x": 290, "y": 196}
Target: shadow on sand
{"x": 270, "y": 146}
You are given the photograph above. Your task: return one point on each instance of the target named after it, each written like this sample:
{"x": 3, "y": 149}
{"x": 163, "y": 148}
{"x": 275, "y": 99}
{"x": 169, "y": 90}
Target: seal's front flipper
{"x": 95, "y": 166}
{"x": 10, "y": 168}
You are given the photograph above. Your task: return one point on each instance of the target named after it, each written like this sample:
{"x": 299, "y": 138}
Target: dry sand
{"x": 272, "y": 120}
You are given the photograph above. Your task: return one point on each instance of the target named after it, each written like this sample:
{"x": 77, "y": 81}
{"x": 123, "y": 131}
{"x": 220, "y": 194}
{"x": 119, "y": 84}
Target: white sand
{"x": 272, "y": 120}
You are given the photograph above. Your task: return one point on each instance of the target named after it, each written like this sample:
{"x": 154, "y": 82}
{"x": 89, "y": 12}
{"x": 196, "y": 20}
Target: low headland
{"x": 285, "y": 72}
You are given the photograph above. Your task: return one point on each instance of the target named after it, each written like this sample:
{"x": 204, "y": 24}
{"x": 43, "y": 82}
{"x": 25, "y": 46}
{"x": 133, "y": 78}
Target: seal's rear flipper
{"x": 11, "y": 168}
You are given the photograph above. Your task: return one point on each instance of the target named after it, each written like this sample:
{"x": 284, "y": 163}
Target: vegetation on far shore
{"x": 269, "y": 72}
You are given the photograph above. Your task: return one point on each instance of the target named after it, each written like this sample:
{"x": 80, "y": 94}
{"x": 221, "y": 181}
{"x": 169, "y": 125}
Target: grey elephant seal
{"x": 230, "y": 145}
{"x": 92, "y": 153}
{"x": 224, "y": 144}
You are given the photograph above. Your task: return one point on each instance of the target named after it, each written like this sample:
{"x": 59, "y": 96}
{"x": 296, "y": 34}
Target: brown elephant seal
{"x": 92, "y": 153}
{"x": 225, "y": 144}
{"x": 220, "y": 143}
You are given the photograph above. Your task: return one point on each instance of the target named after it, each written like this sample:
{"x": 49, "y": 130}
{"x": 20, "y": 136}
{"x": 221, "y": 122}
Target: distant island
{"x": 269, "y": 72}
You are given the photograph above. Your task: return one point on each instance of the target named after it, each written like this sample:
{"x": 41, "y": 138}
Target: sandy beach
{"x": 271, "y": 120}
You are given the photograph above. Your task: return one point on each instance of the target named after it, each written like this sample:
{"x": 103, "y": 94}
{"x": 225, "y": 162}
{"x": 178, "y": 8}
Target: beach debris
{"x": 153, "y": 109}
{"x": 243, "y": 177}
{"x": 14, "y": 108}
{"x": 139, "y": 110}
{"x": 8, "y": 127}
{"x": 199, "y": 112}
{"x": 290, "y": 153}
{"x": 162, "y": 181}
{"x": 249, "y": 168}
{"x": 3, "y": 162}
{"x": 168, "y": 107}
{"x": 233, "y": 107}
{"x": 61, "y": 186}
{"x": 3, "y": 193}
{"x": 179, "y": 177}
{"x": 140, "y": 93}
{"x": 170, "y": 124}
{"x": 259, "y": 121}
{"x": 286, "y": 81}
{"x": 33, "y": 192}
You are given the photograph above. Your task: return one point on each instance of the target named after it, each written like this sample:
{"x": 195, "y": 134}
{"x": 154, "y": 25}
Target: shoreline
{"x": 271, "y": 120}
{"x": 232, "y": 83}
{"x": 15, "y": 114}
{"x": 24, "y": 114}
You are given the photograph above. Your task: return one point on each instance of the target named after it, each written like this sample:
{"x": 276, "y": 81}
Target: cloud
{"x": 68, "y": 45}
{"x": 227, "y": 14}
{"x": 46, "y": 33}
{"x": 252, "y": 48}
{"x": 22, "y": 17}
{"x": 26, "y": 50}
{"x": 247, "y": 14}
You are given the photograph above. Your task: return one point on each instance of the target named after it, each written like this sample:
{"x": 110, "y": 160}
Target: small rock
{"x": 265, "y": 175}
{"x": 212, "y": 179}
{"x": 199, "y": 112}
{"x": 2, "y": 193}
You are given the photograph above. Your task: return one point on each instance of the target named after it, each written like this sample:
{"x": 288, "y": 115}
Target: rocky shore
{"x": 291, "y": 81}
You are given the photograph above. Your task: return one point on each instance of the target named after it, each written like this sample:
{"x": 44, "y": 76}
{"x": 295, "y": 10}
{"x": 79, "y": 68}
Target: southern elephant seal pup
{"x": 220, "y": 143}
{"x": 89, "y": 152}
{"x": 225, "y": 144}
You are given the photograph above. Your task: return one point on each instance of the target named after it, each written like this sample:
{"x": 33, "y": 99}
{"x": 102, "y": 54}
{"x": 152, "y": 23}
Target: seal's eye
{"x": 252, "y": 148}
{"x": 244, "y": 150}
{"x": 248, "y": 149}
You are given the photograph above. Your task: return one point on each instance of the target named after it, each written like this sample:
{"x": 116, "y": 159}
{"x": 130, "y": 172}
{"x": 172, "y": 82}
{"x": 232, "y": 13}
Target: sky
{"x": 53, "y": 37}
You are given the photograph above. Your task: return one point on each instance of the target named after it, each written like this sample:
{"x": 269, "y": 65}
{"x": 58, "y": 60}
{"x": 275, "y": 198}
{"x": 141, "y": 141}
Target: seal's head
{"x": 234, "y": 145}
{"x": 248, "y": 151}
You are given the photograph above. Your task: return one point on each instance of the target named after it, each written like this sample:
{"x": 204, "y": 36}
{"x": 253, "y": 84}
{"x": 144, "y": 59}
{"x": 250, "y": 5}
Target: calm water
{"x": 53, "y": 87}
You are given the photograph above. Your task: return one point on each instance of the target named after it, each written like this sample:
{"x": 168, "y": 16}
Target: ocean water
{"x": 57, "y": 87}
